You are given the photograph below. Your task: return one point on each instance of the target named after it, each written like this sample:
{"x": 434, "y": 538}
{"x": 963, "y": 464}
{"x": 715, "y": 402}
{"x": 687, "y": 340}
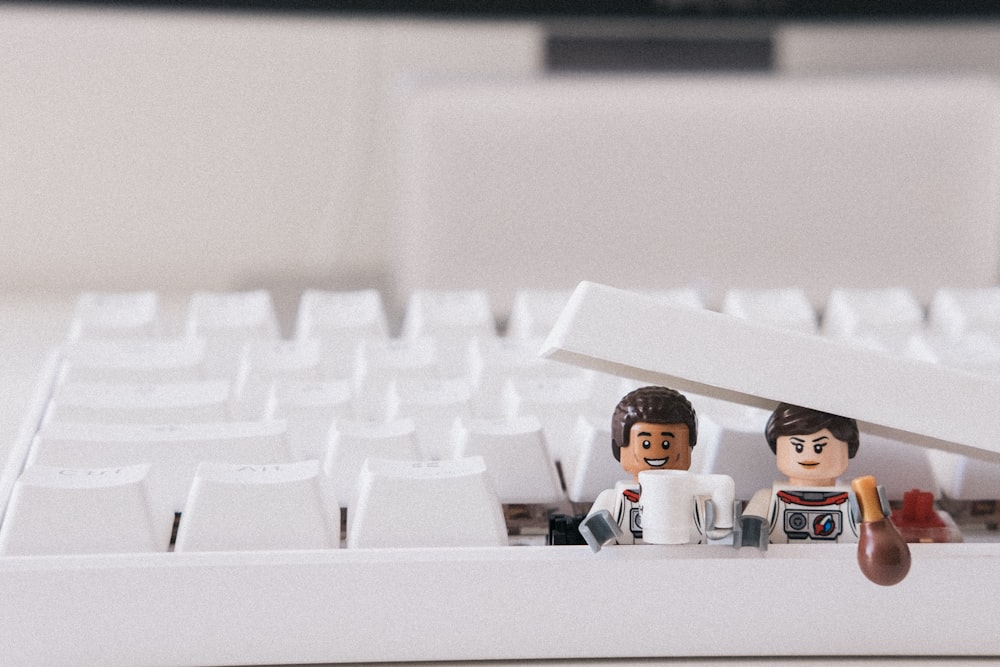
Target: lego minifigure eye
{"x": 646, "y": 444}
{"x": 798, "y": 447}
{"x": 666, "y": 444}
{"x": 818, "y": 448}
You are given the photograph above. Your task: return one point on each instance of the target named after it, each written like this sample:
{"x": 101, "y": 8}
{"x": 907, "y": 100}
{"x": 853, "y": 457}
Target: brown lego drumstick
{"x": 883, "y": 555}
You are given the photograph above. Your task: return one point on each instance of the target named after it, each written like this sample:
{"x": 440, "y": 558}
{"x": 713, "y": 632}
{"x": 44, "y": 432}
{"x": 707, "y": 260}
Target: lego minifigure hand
{"x": 599, "y": 529}
{"x": 749, "y": 530}
{"x": 713, "y": 530}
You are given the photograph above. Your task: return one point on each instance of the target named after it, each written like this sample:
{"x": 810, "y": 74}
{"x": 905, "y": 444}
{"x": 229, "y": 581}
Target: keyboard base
{"x": 516, "y": 602}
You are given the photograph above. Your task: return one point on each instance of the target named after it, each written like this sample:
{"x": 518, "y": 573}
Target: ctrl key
{"x": 55, "y": 510}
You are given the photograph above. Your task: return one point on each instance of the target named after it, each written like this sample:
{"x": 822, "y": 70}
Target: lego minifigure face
{"x": 816, "y": 459}
{"x": 657, "y": 447}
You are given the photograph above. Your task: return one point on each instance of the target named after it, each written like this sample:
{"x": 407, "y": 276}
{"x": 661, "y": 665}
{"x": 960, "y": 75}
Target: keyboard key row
{"x": 57, "y": 510}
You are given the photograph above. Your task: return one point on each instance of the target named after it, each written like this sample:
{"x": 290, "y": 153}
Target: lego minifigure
{"x": 812, "y": 448}
{"x": 653, "y": 430}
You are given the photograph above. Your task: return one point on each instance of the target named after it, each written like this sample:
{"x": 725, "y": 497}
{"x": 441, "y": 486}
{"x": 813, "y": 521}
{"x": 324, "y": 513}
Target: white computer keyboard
{"x": 203, "y": 490}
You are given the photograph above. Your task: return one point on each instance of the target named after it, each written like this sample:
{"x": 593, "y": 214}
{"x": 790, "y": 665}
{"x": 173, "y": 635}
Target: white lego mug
{"x": 668, "y": 502}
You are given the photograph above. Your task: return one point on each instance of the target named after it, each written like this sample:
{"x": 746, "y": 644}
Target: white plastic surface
{"x": 730, "y": 358}
{"x": 505, "y": 603}
{"x": 714, "y": 181}
{"x": 240, "y": 507}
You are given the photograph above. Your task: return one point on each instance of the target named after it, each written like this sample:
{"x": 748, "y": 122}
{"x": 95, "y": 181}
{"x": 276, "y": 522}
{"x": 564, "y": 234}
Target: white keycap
{"x": 433, "y": 404}
{"x": 887, "y": 314}
{"x": 128, "y": 403}
{"x": 589, "y": 467}
{"x": 425, "y": 504}
{"x": 309, "y": 408}
{"x": 351, "y": 442}
{"x": 452, "y": 318}
{"x": 492, "y": 361}
{"x": 265, "y": 361}
{"x": 341, "y": 315}
{"x": 233, "y": 315}
{"x": 556, "y": 401}
{"x": 954, "y": 312}
{"x": 173, "y": 450}
{"x": 731, "y": 442}
{"x": 56, "y": 510}
{"x": 134, "y": 360}
{"x": 454, "y": 315}
{"x": 104, "y": 315}
{"x": 533, "y": 312}
{"x": 786, "y": 308}
{"x": 516, "y": 457}
{"x": 235, "y": 506}
{"x": 226, "y": 320}
{"x": 379, "y": 363}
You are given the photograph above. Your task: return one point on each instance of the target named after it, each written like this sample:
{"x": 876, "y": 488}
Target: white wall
{"x": 178, "y": 149}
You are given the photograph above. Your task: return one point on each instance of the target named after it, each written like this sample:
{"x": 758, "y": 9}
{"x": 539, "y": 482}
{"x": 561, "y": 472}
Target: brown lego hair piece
{"x": 788, "y": 419}
{"x": 656, "y": 405}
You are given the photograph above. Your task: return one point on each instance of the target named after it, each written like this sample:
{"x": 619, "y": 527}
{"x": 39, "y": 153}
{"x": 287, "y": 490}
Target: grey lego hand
{"x": 749, "y": 530}
{"x": 600, "y": 529}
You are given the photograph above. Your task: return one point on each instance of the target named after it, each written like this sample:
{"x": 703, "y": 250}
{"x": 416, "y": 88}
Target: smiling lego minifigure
{"x": 812, "y": 449}
{"x": 653, "y": 429}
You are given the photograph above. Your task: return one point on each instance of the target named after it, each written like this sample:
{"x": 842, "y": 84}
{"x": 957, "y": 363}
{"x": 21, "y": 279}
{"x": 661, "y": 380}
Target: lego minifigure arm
{"x": 753, "y": 522}
{"x": 599, "y": 527}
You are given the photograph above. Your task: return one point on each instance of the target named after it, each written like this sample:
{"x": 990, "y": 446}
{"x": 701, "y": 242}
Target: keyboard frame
{"x": 515, "y": 603}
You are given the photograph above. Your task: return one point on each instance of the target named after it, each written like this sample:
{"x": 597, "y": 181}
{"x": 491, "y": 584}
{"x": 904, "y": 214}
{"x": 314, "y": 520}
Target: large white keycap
{"x": 733, "y": 359}
{"x": 105, "y": 315}
{"x": 788, "y": 308}
{"x": 149, "y": 403}
{"x": 433, "y": 404}
{"x": 883, "y": 316}
{"x": 425, "y": 504}
{"x": 516, "y": 456}
{"x": 588, "y": 466}
{"x": 351, "y": 442}
{"x": 57, "y": 510}
{"x": 309, "y": 408}
{"x": 954, "y": 312}
{"x": 239, "y": 506}
{"x": 174, "y": 450}
{"x": 134, "y": 360}
{"x": 263, "y": 362}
